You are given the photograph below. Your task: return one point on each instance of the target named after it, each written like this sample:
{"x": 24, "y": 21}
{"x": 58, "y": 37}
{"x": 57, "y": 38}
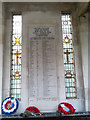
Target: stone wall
{"x": 1, "y": 54}
{"x": 2, "y": 13}
{"x": 82, "y": 11}
{"x": 84, "y": 51}
{"x": 89, "y": 58}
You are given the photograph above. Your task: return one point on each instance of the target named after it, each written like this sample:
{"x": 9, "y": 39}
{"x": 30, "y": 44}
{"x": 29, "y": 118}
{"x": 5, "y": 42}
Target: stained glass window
{"x": 16, "y": 54}
{"x": 69, "y": 64}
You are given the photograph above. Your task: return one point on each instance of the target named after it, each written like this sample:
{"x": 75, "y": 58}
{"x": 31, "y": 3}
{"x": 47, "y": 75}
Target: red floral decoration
{"x": 68, "y": 106}
{"x": 33, "y": 109}
{"x": 9, "y": 105}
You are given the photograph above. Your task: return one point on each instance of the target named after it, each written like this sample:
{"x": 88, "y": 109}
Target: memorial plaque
{"x": 42, "y": 62}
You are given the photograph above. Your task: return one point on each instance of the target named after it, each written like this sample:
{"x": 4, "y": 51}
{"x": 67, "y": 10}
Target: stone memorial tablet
{"x": 42, "y": 62}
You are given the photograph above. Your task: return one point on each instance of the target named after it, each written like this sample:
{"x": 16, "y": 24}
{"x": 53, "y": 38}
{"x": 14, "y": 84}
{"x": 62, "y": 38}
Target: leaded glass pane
{"x": 16, "y": 57}
{"x": 69, "y": 64}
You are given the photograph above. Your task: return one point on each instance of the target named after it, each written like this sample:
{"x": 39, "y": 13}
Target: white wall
{"x": 49, "y": 18}
{"x": 1, "y": 54}
{"x": 1, "y": 48}
{"x": 84, "y": 52}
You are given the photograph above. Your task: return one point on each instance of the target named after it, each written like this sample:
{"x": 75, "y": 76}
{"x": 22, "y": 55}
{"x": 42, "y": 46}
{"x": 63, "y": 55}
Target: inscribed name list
{"x": 42, "y": 66}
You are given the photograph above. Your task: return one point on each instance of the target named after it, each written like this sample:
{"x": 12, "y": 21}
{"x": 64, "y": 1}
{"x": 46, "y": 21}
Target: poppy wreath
{"x": 70, "y": 108}
{"x": 9, "y": 105}
{"x": 33, "y": 109}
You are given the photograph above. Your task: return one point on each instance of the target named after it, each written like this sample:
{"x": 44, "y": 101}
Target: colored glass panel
{"x": 16, "y": 55}
{"x": 69, "y": 64}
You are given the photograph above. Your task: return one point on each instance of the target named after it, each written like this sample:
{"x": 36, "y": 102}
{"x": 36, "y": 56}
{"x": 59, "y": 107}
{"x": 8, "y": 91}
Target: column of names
{"x": 43, "y": 79}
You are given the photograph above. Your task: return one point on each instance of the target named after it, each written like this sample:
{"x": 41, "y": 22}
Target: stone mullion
{"x": 78, "y": 60}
